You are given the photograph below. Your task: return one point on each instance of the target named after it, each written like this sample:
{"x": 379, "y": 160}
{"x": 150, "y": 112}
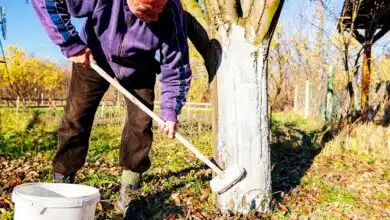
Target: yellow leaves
{"x": 99, "y": 206}
{"x": 205, "y": 193}
{"x": 176, "y": 198}
{"x": 380, "y": 69}
{"x": 27, "y": 74}
{"x": 342, "y": 38}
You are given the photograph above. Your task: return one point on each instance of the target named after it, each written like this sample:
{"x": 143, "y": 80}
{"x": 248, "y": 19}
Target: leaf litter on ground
{"x": 308, "y": 181}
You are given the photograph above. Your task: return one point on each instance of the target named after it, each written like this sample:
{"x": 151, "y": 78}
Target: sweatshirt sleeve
{"x": 54, "y": 15}
{"x": 175, "y": 68}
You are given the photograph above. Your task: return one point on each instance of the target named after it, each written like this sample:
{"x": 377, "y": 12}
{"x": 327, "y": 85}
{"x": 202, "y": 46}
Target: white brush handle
{"x": 155, "y": 117}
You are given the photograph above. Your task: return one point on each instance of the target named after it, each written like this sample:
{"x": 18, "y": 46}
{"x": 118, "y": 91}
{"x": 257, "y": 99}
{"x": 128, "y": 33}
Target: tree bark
{"x": 235, "y": 47}
{"x": 366, "y": 77}
{"x": 243, "y": 126}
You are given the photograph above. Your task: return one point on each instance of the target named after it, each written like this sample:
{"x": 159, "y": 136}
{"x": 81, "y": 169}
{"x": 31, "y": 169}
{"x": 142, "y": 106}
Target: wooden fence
{"x": 51, "y": 103}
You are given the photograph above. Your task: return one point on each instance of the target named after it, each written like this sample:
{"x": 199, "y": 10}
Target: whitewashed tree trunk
{"x": 243, "y": 127}
{"x": 234, "y": 39}
{"x": 307, "y": 100}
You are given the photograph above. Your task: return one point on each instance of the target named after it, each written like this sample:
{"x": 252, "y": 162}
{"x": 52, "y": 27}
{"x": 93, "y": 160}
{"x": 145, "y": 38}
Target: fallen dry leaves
{"x": 308, "y": 185}
{"x": 5, "y": 203}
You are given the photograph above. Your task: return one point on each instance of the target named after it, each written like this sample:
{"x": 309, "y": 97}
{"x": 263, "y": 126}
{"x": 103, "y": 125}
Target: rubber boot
{"x": 129, "y": 203}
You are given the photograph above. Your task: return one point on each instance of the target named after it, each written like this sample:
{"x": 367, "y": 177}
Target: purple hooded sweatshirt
{"x": 123, "y": 44}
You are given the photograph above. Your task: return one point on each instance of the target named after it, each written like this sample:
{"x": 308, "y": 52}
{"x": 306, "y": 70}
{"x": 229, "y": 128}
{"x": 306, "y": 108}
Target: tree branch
{"x": 268, "y": 20}
{"x": 197, "y": 27}
{"x": 381, "y": 33}
{"x": 358, "y": 36}
{"x": 256, "y": 14}
{"x": 231, "y": 10}
{"x": 246, "y": 6}
{"x": 200, "y": 35}
{"x": 192, "y": 7}
{"x": 214, "y": 11}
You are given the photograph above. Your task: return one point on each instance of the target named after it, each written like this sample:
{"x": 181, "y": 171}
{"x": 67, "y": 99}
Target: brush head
{"x": 227, "y": 179}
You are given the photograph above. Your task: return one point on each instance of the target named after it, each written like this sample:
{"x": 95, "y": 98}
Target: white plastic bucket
{"x": 55, "y": 201}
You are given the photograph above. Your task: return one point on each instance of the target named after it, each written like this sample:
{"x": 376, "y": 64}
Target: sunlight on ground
{"x": 348, "y": 178}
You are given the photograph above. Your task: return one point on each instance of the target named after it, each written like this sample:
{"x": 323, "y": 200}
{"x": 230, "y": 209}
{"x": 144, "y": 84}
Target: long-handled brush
{"x": 224, "y": 179}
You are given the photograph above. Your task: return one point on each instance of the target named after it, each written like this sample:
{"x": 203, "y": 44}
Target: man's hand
{"x": 170, "y": 128}
{"x": 83, "y": 57}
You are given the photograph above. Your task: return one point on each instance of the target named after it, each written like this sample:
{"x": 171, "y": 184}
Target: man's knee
{"x": 138, "y": 165}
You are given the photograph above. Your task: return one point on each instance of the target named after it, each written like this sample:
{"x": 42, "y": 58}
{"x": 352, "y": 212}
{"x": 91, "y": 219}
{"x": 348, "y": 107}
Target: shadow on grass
{"x": 34, "y": 138}
{"x": 292, "y": 153}
{"x": 156, "y": 205}
{"x": 179, "y": 173}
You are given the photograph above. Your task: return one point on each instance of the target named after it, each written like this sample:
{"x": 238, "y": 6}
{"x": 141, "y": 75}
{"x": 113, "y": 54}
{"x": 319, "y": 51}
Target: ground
{"x": 347, "y": 178}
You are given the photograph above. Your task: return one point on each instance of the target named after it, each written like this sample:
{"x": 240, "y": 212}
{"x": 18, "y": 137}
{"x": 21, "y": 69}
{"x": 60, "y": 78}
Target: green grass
{"x": 94, "y": 179}
{"x": 341, "y": 180}
{"x": 386, "y": 174}
{"x": 24, "y": 132}
{"x": 338, "y": 195}
{"x": 283, "y": 119}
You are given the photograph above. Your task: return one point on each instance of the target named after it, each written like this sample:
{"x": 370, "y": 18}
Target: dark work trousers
{"x": 86, "y": 91}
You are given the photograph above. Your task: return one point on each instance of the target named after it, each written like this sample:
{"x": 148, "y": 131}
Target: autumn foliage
{"x": 28, "y": 77}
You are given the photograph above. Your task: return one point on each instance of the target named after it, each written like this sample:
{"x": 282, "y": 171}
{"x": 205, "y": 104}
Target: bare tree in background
{"x": 345, "y": 47}
{"x": 367, "y": 21}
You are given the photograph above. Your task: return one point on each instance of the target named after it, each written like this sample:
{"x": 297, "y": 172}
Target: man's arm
{"x": 55, "y": 18}
{"x": 175, "y": 67}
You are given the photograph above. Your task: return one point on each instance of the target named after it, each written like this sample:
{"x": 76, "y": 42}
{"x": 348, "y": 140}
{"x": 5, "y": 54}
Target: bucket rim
{"x": 54, "y": 202}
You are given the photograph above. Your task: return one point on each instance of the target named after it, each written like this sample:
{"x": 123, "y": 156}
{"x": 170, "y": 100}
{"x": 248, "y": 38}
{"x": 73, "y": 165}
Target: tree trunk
{"x": 366, "y": 77}
{"x": 329, "y": 97}
{"x": 234, "y": 40}
{"x": 243, "y": 127}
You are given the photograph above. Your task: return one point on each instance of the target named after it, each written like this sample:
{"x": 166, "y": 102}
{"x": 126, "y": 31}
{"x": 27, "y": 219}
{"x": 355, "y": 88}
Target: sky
{"x": 25, "y": 31}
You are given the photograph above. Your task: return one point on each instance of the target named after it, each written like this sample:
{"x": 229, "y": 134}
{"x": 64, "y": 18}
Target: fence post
{"x": 329, "y": 97}
{"x": 54, "y": 114}
{"x": 307, "y": 99}
{"x": 117, "y": 99}
{"x": 17, "y": 103}
{"x": 42, "y": 99}
{"x": 355, "y": 98}
{"x": 296, "y": 91}
{"x": 102, "y": 113}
